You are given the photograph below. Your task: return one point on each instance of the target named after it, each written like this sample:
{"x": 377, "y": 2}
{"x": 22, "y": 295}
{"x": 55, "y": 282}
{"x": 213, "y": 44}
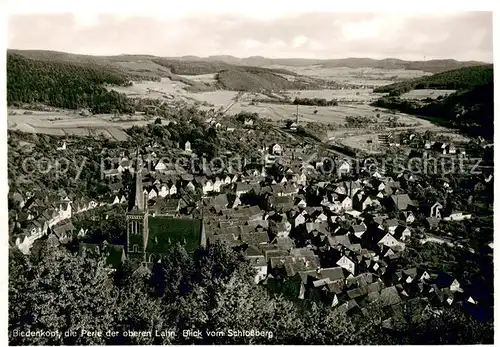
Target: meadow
{"x": 69, "y": 123}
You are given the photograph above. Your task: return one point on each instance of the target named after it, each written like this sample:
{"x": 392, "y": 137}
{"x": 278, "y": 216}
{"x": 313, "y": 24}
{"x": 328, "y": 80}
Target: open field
{"x": 218, "y": 98}
{"x": 152, "y": 90}
{"x": 67, "y": 123}
{"x": 207, "y": 78}
{"x": 359, "y": 95}
{"x": 426, "y": 93}
{"x": 357, "y": 76}
{"x": 327, "y": 115}
{"x": 353, "y": 102}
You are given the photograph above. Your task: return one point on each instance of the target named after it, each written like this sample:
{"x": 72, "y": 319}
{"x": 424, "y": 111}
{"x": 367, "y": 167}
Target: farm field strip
{"x": 426, "y": 93}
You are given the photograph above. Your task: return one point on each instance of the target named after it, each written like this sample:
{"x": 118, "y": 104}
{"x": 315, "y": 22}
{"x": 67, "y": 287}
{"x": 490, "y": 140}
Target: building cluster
{"x": 339, "y": 240}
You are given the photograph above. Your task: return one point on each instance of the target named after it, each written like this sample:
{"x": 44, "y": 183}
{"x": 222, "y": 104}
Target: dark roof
{"x": 284, "y": 243}
{"x": 333, "y": 273}
{"x": 255, "y": 238}
{"x": 253, "y": 251}
{"x": 389, "y": 296}
{"x": 401, "y": 201}
{"x": 166, "y": 231}
{"x": 411, "y": 272}
{"x": 64, "y": 230}
{"x": 391, "y": 222}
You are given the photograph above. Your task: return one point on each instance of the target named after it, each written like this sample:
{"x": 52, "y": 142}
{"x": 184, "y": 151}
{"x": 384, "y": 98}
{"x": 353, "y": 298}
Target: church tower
{"x": 137, "y": 217}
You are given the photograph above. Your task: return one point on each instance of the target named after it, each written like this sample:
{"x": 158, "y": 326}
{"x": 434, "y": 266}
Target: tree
{"x": 62, "y": 292}
{"x": 158, "y": 121}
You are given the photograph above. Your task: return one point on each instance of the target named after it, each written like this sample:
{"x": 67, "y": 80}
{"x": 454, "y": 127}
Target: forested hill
{"x": 147, "y": 67}
{"x": 64, "y": 84}
{"x": 469, "y": 111}
{"x": 460, "y": 79}
{"x": 241, "y": 78}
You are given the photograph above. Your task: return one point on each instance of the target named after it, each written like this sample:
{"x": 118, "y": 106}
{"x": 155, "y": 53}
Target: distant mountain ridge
{"x": 434, "y": 66}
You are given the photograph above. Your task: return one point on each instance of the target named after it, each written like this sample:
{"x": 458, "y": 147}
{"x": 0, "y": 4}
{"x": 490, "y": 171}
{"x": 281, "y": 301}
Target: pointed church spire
{"x": 138, "y": 189}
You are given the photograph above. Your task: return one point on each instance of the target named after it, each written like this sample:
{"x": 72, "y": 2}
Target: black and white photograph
{"x": 260, "y": 174}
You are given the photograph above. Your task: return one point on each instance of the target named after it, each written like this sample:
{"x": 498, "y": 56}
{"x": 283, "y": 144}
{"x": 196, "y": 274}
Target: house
{"x": 187, "y": 147}
{"x": 64, "y": 232}
{"x": 258, "y": 262}
{"x": 390, "y": 225}
{"x": 410, "y": 218}
{"x": 293, "y": 126}
{"x": 217, "y": 184}
{"x": 160, "y": 166}
{"x": 242, "y": 188}
{"x": 451, "y": 149}
{"x": 343, "y": 168}
{"x": 358, "y": 230}
{"x": 282, "y": 229}
{"x": 432, "y": 222}
{"x": 172, "y": 189}
{"x": 390, "y": 241}
{"x": 446, "y": 281}
{"x": 152, "y": 194}
{"x": 402, "y": 233}
{"x": 361, "y": 202}
{"x": 346, "y": 203}
{"x": 163, "y": 191}
{"x": 346, "y": 263}
{"x": 401, "y": 201}
{"x": 389, "y": 296}
{"x": 299, "y": 219}
{"x": 457, "y": 216}
{"x": 276, "y": 149}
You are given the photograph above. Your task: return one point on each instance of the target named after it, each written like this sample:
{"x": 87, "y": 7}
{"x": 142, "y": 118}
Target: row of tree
{"x": 315, "y": 102}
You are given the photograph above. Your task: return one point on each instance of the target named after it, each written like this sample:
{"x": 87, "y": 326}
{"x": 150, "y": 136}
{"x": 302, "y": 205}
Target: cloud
{"x": 462, "y": 36}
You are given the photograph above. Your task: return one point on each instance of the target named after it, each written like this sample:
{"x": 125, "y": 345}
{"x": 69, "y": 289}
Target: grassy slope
{"x": 464, "y": 78}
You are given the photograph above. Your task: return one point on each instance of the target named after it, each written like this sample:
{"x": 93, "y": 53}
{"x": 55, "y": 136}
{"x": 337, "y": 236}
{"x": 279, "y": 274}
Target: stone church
{"x": 150, "y": 236}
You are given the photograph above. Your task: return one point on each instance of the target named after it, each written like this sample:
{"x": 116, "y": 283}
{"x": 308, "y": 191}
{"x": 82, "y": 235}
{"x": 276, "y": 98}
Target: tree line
{"x": 315, "y": 102}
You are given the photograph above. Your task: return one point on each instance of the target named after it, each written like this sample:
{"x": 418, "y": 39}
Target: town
{"x": 340, "y": 237}
{"x": 156, "y": 199}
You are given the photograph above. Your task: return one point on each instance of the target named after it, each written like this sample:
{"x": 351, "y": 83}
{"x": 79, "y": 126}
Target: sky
{"x": 277, "y": 34}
